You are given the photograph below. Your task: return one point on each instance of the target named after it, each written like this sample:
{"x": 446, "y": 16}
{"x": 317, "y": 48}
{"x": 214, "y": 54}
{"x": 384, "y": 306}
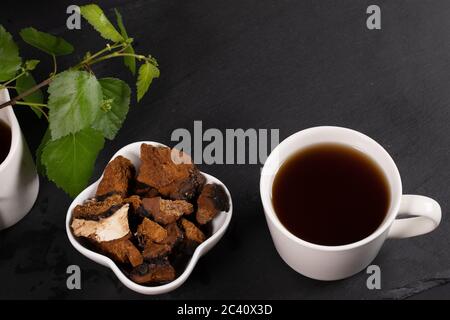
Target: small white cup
{"x": 19, "y": 182}
{"x": 338, "y": 262}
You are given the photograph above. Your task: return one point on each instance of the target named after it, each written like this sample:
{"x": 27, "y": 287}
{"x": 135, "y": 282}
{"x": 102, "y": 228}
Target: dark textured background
{"x": 258, "y": 64}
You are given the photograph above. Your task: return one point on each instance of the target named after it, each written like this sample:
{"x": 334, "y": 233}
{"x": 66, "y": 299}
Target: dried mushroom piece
{"x": 174, "y": 235}
{"x": 145, "y": 191}
{"x": 134, "y": 216}
{"x": 155, "y": 272}
{"x": 121, "y": 250}
{"x": 107, "y": 229}
{"x": 212, "y": 200}
{"x": 155, "y": 251}
{"x": 95, "y": 210}
{"x": 116, "y": 178}
{"x": 149, "y": 231}
{"x": 179, "y": 180}
{"x": 193, "y": 236}
{"x": 134, "y": 201}
{"x": 191, "y": 232}
{"x": 166, "y": 211}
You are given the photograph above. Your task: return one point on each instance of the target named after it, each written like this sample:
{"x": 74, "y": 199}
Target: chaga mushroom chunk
{"x": 111, "y": 235}
{"x": 179, "y": 180}
{"x": 193, "y": 236}
{"x": 191, "y": 232}
{"x": 95, "y": 210}
{"x": 155, "y": 272}
{"x": 174, "y": 235}
{"x": 149, "y": 231}
{"x": 122, "y": 251}
{"x": 145, "y": 191}
{"x": 134, "y": 201}
{"x": 116, "y": 178}
{"x": 106, "y": 229}
{"x": 212, "y": 200}
{"x": 166, "y": 211}
{"x": 155, "y": 251}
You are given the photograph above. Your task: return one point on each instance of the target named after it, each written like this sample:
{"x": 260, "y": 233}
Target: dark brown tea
{"x": 330, "y": 194}
{"x": 5, "y": 140}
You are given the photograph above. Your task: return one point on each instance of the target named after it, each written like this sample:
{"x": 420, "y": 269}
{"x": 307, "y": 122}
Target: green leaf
{"x": 147, "y": 72}
{"x": 45, "y": 139}
{"x": 95, "y": 16}
{"x": 26, "y": 82}
{"x": 130, "y": 62}
{"x": 119, "y": 20}
{"x": 110, "y": 120}
{"x": 30, "y": 65}
{"x": 69, "y": 161}
{"x": 9, "y": 56}
{"x": 46, "y": 42}
{"x": 74, "y": 102}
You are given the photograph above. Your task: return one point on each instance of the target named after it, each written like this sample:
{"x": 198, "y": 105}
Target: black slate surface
{"x": 258, "y": 64}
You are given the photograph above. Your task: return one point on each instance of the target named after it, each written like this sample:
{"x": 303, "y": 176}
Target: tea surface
{"x": 330, "y": 194}
{"x": 5, "y": 140}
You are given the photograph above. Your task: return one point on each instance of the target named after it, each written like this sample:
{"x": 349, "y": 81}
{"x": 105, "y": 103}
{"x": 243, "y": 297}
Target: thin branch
{"x": 23, "y": 103}
{"x": 38, "y": 106}
{"x": 43, "y": 113}
{"x": 95, "y": 55}
{"x": 117, "y": 54}
{"x": 15, "y": 78}
{"x": 85, "y": 63}
{"x": 26, "y": 93}
{"x": 55, "y": 67}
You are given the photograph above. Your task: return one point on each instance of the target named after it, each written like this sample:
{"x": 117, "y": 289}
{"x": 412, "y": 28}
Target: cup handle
{"x": 425, "y": 217}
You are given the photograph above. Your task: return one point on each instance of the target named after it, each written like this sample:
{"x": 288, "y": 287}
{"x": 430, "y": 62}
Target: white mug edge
{"x": 15, "y": 131}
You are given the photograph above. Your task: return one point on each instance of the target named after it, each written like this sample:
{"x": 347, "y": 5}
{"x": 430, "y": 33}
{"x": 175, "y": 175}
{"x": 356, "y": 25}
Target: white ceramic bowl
{"x": 219, "y": 225}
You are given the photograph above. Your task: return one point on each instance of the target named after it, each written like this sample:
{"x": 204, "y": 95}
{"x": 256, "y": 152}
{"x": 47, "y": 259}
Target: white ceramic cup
{"x": 19, "y": 182}
{"x": 408, "y": 215}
